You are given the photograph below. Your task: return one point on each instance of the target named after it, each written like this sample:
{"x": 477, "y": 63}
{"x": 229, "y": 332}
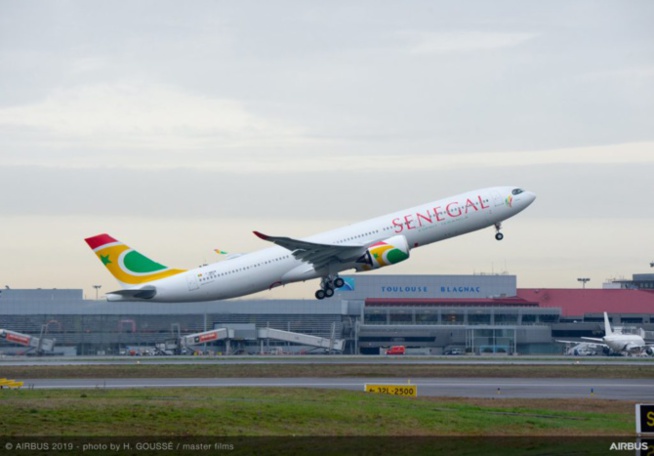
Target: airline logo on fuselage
{"x": 451, "y": 210}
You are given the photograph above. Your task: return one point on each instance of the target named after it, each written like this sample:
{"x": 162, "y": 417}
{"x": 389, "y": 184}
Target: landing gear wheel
{"x": 327, "y": 286}
{"x": 499, "y": 236}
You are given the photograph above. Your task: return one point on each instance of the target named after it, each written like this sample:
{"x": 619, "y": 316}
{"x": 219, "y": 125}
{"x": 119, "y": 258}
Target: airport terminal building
{"x": 428, "y": 314}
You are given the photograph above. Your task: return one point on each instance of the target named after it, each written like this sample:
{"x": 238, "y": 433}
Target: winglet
{"x": 262, "y": 236}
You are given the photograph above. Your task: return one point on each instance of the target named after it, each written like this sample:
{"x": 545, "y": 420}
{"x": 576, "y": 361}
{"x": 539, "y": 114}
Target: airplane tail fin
{"x": 128, "y": 266}
{"x": 607, "y": 325}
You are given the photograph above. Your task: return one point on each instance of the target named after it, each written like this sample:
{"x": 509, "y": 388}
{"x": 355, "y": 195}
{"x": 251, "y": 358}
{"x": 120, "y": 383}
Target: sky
{"x": 181, "y": 127}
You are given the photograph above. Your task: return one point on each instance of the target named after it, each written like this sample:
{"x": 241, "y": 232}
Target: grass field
{"x": 298, "y": 412}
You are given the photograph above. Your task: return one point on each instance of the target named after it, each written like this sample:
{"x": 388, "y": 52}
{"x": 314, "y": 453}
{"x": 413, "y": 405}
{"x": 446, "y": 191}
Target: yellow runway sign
{"x": 10, "y": 383}
{"x": 393, "y": 390}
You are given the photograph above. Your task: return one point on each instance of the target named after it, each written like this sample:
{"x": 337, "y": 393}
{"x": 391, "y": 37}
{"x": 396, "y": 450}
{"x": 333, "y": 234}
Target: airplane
{"x": 364, "y": 246}
{"x": 624, "y": 344}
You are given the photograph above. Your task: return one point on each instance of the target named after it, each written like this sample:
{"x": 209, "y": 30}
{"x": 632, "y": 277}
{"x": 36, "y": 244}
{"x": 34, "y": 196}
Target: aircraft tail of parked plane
{"x": 372, "y": 244}
{"x": 607, "y": 330}
{"x": 607, "y": 326}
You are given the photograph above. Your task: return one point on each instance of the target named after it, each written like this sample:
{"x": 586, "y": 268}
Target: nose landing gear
{"x": 499, "y": 236}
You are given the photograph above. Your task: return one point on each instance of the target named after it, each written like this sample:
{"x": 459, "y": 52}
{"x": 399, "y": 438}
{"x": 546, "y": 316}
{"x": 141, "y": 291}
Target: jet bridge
{"x": 302, "y": 339}
{"x": 206, "y": 337}
{"x": 174, "y": 345}
{"x": 40, "y": 344}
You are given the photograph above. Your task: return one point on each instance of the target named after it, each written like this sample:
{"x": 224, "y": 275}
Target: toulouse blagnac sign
{"x": 430, "y": 286}
{"x": 431, "y": 290}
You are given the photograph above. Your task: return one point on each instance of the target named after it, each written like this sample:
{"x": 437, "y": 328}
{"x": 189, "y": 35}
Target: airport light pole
{"x": 97, "y": 287}
{"x": 583, "y": 281}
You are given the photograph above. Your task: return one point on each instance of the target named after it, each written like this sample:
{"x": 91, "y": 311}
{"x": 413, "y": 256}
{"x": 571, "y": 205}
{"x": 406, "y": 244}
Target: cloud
{"x": 419, "y": 162}
{"x": 463, "y": 41}
{"x": 615, "y": 154}
{"x": 137, "y": 116}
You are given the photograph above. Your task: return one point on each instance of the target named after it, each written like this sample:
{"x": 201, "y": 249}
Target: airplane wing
{"x": 318, "y": 255}
{"x": 585, "y": 342}
{"x": 595, "y": 339}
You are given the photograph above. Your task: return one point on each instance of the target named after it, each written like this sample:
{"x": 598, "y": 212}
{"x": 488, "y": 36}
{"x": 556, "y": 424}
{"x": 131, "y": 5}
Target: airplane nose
{"x": 528, "y": 197}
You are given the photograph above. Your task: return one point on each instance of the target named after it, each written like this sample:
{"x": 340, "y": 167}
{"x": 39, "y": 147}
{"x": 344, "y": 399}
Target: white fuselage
{"x": 275, "y": 266}
{"x": 625, "y": 343}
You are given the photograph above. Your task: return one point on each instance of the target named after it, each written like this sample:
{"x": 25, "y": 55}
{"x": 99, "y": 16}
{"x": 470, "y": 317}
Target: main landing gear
{"x": 499, "y": 236}
{"x": 328, "y": 285}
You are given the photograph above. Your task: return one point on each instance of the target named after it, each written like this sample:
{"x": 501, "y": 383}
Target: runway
{"x": 636, "y": 389}
{"x": 533, "y": 388}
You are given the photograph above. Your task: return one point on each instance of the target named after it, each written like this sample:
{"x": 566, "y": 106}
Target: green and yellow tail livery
{"x": 128, "y": 266}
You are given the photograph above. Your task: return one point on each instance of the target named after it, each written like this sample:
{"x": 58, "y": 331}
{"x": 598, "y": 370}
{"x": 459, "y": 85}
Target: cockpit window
{"x": 517, "y": 191}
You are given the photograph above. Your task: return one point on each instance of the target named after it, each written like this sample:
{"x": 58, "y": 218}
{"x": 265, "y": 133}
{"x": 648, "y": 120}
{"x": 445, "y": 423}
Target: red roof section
{"x": 578, "y": 302}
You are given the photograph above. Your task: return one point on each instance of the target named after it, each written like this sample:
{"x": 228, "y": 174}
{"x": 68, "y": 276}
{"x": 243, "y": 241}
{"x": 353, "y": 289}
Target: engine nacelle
{"x": 649, "y": 350}
{"x": 384, "y": 253}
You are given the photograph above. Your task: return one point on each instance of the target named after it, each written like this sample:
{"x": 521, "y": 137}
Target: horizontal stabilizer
{"x": 132, "y": 294}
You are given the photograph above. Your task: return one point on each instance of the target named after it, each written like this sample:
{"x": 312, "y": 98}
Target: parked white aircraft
{"x": 626, "y": 344}
{"x": 368, "y": 245}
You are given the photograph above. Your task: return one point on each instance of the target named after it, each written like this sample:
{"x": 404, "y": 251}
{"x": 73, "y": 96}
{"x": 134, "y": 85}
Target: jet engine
{"x": 649, "y": 350}
{"x": 384, "y": 253}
